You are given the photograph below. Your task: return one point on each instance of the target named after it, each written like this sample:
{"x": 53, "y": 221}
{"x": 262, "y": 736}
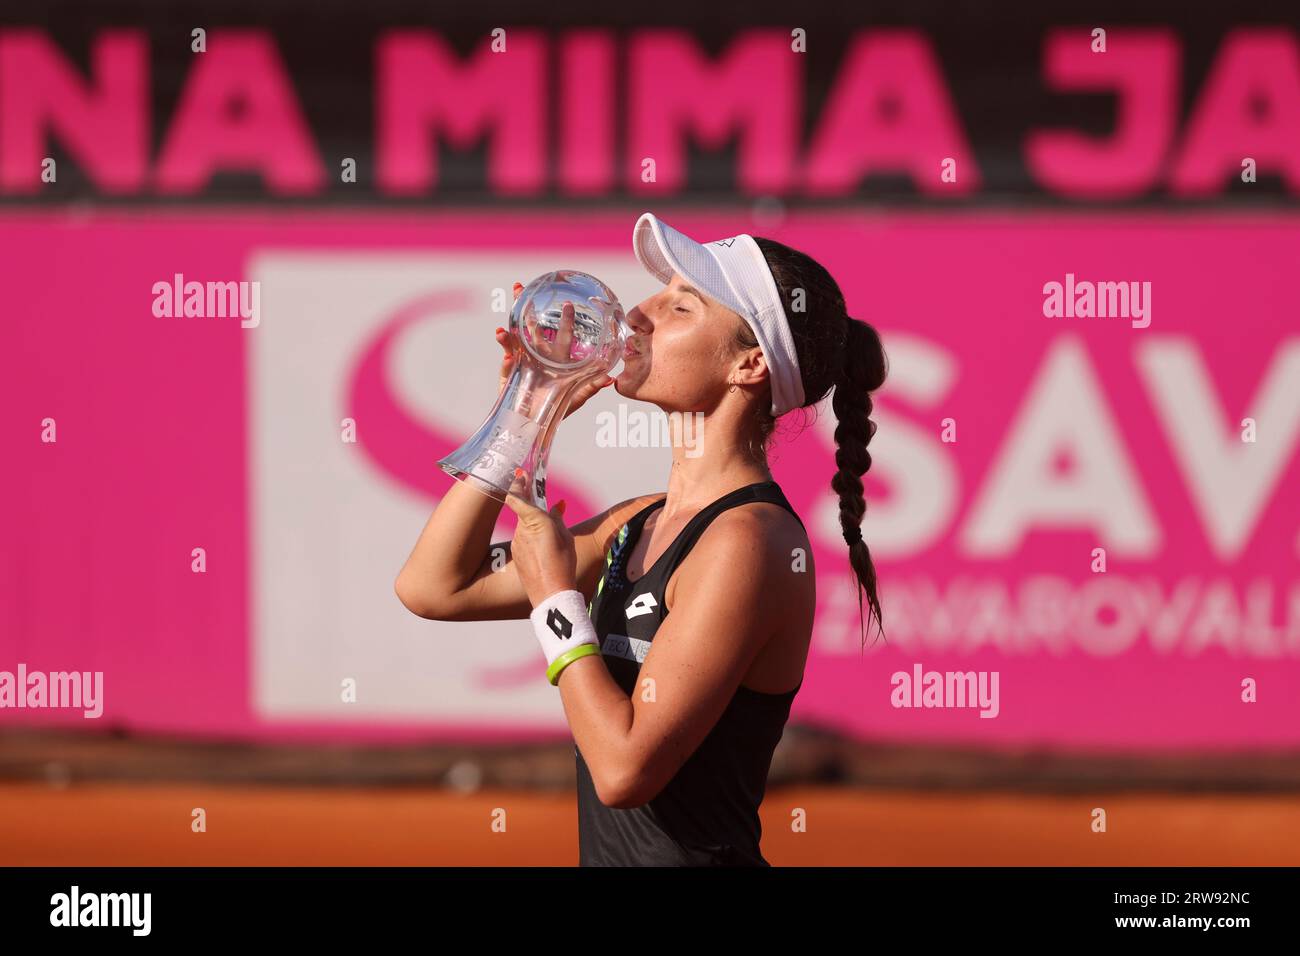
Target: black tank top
{"x": 707, "y": 815}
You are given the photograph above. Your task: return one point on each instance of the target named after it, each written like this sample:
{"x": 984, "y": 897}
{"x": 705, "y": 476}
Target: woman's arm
{"x": 456, "y": 573}
{"x": 720, "y": 620}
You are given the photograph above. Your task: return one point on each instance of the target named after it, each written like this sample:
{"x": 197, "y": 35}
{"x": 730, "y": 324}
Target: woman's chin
{"x": 625, "y": 382}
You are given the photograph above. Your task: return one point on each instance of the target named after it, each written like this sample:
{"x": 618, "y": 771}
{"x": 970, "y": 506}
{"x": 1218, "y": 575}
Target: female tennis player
{"x": 675, "y": 715}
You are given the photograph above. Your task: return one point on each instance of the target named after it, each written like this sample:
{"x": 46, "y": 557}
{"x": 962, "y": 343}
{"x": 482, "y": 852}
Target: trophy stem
{"x": 516, "y": 435}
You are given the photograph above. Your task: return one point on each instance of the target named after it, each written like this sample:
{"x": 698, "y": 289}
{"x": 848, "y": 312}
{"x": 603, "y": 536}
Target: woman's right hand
{"x": 580, "y": 394}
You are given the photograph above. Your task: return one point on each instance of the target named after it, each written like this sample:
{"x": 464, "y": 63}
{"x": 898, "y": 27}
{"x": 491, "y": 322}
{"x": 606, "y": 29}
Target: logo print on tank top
{"x": 628, "y": 648}
{"x": 643, "y": 604}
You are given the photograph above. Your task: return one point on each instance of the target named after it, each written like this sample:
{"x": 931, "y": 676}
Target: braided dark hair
{"x": 834, "y": 350}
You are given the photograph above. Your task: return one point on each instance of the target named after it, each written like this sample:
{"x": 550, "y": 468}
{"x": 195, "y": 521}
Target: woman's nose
{"x": 638, "y": 320}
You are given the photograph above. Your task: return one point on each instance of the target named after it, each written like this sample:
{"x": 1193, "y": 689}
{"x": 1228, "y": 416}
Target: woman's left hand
{"x": 542, "y": 550}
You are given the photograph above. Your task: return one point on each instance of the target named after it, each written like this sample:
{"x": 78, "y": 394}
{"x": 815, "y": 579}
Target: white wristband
{"x": 563, "y": 625}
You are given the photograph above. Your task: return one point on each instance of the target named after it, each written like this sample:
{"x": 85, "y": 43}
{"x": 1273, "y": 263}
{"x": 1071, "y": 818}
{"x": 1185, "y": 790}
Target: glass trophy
{"x": 566, "y": 328}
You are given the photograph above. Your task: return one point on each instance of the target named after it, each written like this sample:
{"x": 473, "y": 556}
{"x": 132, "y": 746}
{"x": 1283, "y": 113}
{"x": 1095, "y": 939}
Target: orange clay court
{"x": 144, "y": 825}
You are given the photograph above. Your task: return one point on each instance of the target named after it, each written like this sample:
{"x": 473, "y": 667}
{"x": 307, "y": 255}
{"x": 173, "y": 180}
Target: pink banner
{"x": 1084, "y": 480}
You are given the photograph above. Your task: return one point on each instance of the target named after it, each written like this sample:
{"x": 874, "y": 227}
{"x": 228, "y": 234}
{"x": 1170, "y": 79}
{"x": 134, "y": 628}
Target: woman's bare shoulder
{"x": 625, "y": 510}
{"x": 761, "y": 530}
{"x": 760, "y": 550}
{"x": 603, "y": 526}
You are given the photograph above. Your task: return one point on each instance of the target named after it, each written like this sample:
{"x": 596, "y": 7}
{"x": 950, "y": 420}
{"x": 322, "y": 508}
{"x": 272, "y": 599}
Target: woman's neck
{"x": 707, "y": 466}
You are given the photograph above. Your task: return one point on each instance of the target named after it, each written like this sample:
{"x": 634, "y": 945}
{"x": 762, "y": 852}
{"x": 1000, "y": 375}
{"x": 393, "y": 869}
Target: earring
{"x": 733, "y": 387}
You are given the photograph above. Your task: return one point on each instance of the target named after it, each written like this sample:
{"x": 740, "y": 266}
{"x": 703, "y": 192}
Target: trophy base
{"x": 475, "y": 482}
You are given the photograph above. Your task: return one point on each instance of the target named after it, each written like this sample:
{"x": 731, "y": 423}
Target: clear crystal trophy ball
{"x": 555, "y": 353}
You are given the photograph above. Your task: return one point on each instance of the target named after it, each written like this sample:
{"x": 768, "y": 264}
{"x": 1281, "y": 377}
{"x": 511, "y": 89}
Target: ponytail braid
{"x": 863, "y": 372}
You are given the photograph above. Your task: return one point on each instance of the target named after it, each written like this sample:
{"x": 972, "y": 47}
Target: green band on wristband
{"x": 567, "y": 658}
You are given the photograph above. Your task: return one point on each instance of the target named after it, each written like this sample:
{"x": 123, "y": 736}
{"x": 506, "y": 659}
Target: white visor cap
{"x": 734, "y": 272}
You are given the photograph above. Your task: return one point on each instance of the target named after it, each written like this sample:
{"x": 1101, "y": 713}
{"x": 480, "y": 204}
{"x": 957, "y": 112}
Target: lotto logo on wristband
{"x": 560, "y": 624}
